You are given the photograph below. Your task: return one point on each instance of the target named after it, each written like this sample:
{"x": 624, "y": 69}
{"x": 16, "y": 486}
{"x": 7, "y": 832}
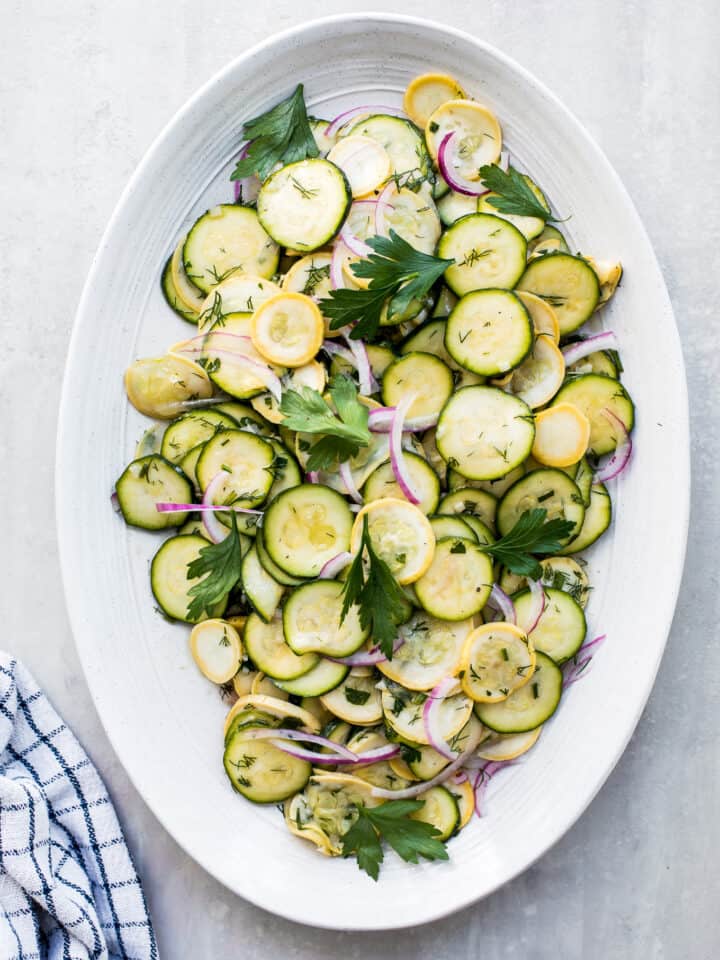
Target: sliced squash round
{"x": 400, "y": 534}
{"x": 288, "y": 329}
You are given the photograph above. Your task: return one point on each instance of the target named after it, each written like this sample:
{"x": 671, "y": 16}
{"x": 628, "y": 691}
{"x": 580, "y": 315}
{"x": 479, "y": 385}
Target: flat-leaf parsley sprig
{"x": 531, "y": 534}
{"x": 513, "y": 193}
{"x": 306, "y": 411}
{"x": 391, "y": 822}
{"x": 398, "y": 274}
{"x": 382, "y": 605}
{"x": 282, "y": 135}
{"x": 219, "y": 566}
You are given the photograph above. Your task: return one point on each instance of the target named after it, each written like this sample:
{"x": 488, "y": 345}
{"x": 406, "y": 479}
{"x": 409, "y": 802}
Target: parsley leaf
{"x": 282, "y": 135}
{"x": 531, "y": 534}
{"x": 514, "y": 194}
{"x": 382, "y": 604}
{"x": 391, "y": 822}
{"x": 221, "y": 563}
{"x": 398, "y": 273}
{"x": 307, "y": 411}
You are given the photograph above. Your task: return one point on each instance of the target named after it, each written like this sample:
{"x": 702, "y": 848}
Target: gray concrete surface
{"x": 84, "y": 87}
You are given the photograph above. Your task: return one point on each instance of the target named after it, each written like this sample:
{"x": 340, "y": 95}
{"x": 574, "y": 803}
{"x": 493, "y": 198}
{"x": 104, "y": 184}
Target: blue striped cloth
{"x": 68, "y": 887}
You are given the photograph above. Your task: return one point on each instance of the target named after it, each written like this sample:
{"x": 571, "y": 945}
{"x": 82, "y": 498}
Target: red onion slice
{"x": 448, "y": 163}
{"x": 431, "y": 717}
{"x": 380, "y": 420}
{"x": 583, "y": 348}
{"x": 342, "y": 118}
{"x": 383, "y": 204}
{"x": 366, "y": 381}
{"x": 349, "y": 481}
{"x": 483, "y": 777}
{"x": 115, "y": 502}
{"x": 367, "y": 658}
{"x": 397, "y": 454}
{"x": 337, "y": 280}
{"x": 354, "y": 243}
{"x": 165, "y": 506}
{"x": 215, "y": 530}
{"x": 576, "y": 668}
{"x": 313, "y": 476}
{"x": 620, "y": 458}
{"x": 334, "y": 349}
{"x": 263, "y": 373}
{"x": 502, "y": 602}
{"x": 538, "y": 607}
{"x": 271, "y": 733}
{"x": 334, "y": 565}
{"x": 410, "y": 792}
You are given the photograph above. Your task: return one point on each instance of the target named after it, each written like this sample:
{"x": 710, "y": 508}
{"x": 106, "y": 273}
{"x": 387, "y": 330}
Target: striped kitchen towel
{"x": 68, "y": 888}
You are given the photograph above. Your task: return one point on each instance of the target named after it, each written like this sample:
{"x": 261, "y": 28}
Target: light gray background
{"x": 84, "y": 88}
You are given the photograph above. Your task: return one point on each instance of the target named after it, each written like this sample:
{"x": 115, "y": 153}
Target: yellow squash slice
{"x": 401, "y": 535}
{"x": 426, "y": 93}
{"x": 288, "y": 329}
{"x": 562, "y": 434}
{"x": 497, "y": 660}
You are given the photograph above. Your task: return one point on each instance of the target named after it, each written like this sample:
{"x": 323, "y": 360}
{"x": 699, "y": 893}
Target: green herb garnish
{"x": 381, "y": 603}
{"x": 391, "y": 822}
{"x": 219, "y": 566}
{"x": 513, "y": 193}
{"x": 398, "y": 274}
{"x": 282, "y": 135}
{"x": 306, "y": 411}
{"x": 532, "y": 534}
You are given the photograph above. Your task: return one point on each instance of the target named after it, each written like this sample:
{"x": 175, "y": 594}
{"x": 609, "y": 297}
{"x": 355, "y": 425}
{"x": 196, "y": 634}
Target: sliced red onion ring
{"x": 165, "y": 506}
{"x": 382, "y": 206}
{"x": 246, "y": 190}
{"x": 397, "y": 454}
{"x": 620, "y": 458}
{"x": 502, "y": 602}
{"x": 431, "y": 717}
{"x": 342, "y": 118}
{"x": 583, "y": 348}
{"x": 271, "y": 733}
{"x": 313, "y": 476}
{"x": 354, "y": 243}
{"x": 380, "y": 420}
{"x": 366, "y": 381}
{"x": 370, "y": 756}
{"x": 261, "y": 370}
{"x": 367, "y": 658}
{"x": 337, "y": 280}
{"x": 458, "y": 777}
{"x": 483, "y": 777}
{"x": 333, "y": 566}
{"x": 538, "y": 607}
{"x": 215, "y": 530}
{"x": 449, "y": 164}
{"x": 115, "y": 502}
{"x": 349, "y": 481}
{"x": 335, "y": 349}
{"x": 419, "y": 788}
{"x": 576, "y": 668}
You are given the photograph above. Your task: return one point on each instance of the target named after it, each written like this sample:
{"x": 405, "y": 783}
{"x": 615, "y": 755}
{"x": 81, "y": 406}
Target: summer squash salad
{"x": 380, "y": 456}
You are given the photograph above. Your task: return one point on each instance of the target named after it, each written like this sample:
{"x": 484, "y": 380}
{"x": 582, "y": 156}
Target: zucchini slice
{"x": 356, "y": 700}
{"x": 401, "y": 140}
{"x": 549, "y": 241}
{"x": 531, "y": 705}
{"x": 478, "y": 130}
{"x": 403, "y": 710}
{"x": 192, "y": 429}
{"x": 567, "y": 283}
{"x": 559, "y": 573}
{"x": 228, "y": 239}
{"x": 169, "y": 579}
{"x": 487, "y": 250}
{"x": 241, "y": 293}
{"x": 288, "y": 329}
{"x": 272, "y": 568}
{"x": 312, "y": 621}
{"x": 246, "y": 459}
{"x": 440, "y": 809}
{"x": 455, "y": 205}
{"x": 160, "y": 386}
{"x": 426, "y": 93}
{"x": 426, "y": 483}
{"x": 304, "y": 204}
{"x": 262, "y": 591}
{"x": 172, "y": 298}
{"x": 595, "y": 395}
{"x": 452, "y": 526}
{"x": 187, "y": 293}
{"x": 598, "y": 516}
{"x": 216, "y": 649}
{"x": 478, "y": 503}
{"x": 245, "y": 417}
{"x": 484, "y": 433}
{"x": 311, "y": 275}
{"x": 431, "y": 650}
{"x": 561, "y": 629}
{"x": 147, "y": 482}
{"x": 401, "y": 535}
{"x": 497, "y": 659}
{"x": 266, "y": 647}
{"x": 489, "y": 332}
{"x": 414, "y": 217}
{"x": 261, "y": 772}
{"x": 321, "y": 679}
{"x": 306, "y": 526}
{"x": 553, "y": 490}
{"x": 420, "y": 374}
{"x": 458, "y": 582}
{"x": 496, "y": 487}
